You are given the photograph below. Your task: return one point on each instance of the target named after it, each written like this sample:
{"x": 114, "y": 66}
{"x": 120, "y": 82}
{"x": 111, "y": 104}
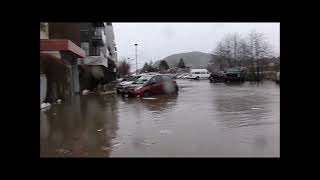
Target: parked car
{"x": 234, "y": 75}
{"x": 217, "y": 77}
{"x": 180, "y": 76}
{"x": 125, "y": 82}
{"x": 188, "y": 76}
{"x": 200, "y": 74}
{"x": 148, "y": 85}
{"x": 278, "y": 77}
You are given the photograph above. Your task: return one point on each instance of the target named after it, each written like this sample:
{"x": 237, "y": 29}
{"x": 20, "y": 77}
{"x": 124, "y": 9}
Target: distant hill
{"x": 198, "y": 59}
{"x": 195, "y": 59}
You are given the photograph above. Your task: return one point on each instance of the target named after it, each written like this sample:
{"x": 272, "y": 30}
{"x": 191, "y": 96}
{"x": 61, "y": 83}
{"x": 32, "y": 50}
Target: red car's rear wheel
{"x": 146, "y": 94}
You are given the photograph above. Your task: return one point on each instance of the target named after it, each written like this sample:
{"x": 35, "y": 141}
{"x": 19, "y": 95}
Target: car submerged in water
{"x": 148, "y": 85}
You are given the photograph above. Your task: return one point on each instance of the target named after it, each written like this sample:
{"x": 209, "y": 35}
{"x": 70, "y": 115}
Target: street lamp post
{"x": 136, "y": 45}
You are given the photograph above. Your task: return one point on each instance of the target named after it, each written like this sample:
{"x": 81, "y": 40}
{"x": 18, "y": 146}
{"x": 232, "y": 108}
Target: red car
{"x": 148, "y": 85}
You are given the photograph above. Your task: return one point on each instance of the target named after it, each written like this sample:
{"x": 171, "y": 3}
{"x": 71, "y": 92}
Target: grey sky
{"x": 159, "y": 40}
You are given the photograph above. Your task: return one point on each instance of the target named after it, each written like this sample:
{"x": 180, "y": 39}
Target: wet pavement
{"x": 204, "y": 120}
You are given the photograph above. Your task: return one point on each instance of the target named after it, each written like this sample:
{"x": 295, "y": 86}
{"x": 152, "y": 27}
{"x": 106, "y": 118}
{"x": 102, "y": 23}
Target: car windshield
{"x": 132, "y": 78}
{"x": 142, "y": 80}
{"x": 167, "y": 78}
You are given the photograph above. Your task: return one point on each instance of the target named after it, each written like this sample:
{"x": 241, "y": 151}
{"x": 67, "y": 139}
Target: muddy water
{"x": 204, "y": 120}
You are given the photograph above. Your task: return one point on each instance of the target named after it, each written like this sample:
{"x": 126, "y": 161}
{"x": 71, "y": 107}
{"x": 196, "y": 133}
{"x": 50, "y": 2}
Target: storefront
{"x": 59, "y": 75}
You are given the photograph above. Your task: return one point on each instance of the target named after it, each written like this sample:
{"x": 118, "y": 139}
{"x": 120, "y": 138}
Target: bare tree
{"x": 259, "y": 48}
{"x": 163, "y": 65}
{"x": 234, "y": 50}
{"x": 148, "y": 67}
{"x": 123, "y": 68}
{"x": 181, "y": 63}
{"x": 244, "y": 52}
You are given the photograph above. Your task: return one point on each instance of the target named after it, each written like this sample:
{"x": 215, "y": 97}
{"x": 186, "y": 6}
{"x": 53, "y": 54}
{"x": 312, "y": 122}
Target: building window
{"x": 84, "y": 35}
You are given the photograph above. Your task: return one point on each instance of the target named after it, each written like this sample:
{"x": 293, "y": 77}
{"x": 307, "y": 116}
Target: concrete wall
{"x": 69, "y": 31}
{"x": 111, "y": 42}
{"x": 44, "y": 30}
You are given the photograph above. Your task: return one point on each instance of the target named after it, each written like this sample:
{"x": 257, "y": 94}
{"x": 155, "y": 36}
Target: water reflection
{"x": 205, "y": 119}
{"x": 243, "y": 106}
{"x": 82, "y": 126}
{"x": 160, "y": 103}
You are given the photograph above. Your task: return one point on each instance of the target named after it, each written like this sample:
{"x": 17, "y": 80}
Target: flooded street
{"x": 204, "y": 120}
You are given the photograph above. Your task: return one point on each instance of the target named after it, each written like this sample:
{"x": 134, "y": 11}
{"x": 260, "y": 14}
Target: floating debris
{"x": 44, "y": 105}
{"x": 255, "y": 108}
{"x": 116, "y": 145}
{"x": 107, "y": 92}
{"x": 85, "y": 92}
{"x": 105, "y": 148}
{"x": 149, "y": 98}
{"x": 59, "y": 101}
{"x": 164, "y": 132}
{"x": 99, "y": 130}
{"x": 63, "y": 151}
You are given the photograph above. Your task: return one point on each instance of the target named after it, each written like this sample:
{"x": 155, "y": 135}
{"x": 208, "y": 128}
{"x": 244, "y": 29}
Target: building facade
{"x": 59, "y": 54}
{"x": 75, "y": 56}
{"x": 98, "y": 67}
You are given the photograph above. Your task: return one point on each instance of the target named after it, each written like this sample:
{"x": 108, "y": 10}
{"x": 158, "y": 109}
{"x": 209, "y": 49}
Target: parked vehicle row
{"x": 184, "y": 76}
{"x": 195, "y": 74}
{"x": 200, "y": 74}
{"x": 125, "y": 82}
{"x": 147, "y": 84}
{"x": 234, "y": 74}
{"x": 217, "y": 77}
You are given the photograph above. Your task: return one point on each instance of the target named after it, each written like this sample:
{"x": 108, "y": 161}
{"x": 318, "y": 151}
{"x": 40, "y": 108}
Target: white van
{"x": 200, "y": 73}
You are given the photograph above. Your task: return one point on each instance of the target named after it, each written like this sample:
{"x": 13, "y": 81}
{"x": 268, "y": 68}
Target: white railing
{"x": 99, "y": 34}
{"x": 95, "y": 60}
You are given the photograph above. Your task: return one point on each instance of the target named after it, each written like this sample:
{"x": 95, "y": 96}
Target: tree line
{"x": 236, "y": 50}
{"x": 251, "y": 50}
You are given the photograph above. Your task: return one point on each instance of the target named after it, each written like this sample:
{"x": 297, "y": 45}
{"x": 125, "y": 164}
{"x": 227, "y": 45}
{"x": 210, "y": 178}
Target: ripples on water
{"x": 203, "y": 120}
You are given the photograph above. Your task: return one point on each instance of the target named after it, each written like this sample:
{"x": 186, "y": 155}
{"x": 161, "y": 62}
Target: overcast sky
{"x": 159, "y": 40}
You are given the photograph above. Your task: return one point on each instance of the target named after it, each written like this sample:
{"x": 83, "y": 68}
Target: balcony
{"x": 99, "y": 38}
{"x": 96, "y": 60}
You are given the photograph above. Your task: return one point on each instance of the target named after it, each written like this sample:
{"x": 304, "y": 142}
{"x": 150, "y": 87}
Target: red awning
{"x": 61, "y": 45}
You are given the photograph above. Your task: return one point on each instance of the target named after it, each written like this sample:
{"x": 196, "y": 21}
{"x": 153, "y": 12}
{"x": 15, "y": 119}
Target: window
{"x": 197, "y": 73}
{"x": 142, "y": 80}
{"x": 166, "y": 78}
{"x": 84, "y": 35}
{"x": 156, "y": 79}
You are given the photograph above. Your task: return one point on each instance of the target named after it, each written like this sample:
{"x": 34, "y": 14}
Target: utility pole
{"x": 136, "y": 45}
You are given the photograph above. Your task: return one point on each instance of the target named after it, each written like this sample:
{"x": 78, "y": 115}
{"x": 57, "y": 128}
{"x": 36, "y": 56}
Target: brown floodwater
{"x": 204, "y": 120}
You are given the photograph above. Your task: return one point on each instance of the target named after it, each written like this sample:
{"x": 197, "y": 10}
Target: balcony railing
{"x": 95, "y": 60}
{"x": 99, "y": 37}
